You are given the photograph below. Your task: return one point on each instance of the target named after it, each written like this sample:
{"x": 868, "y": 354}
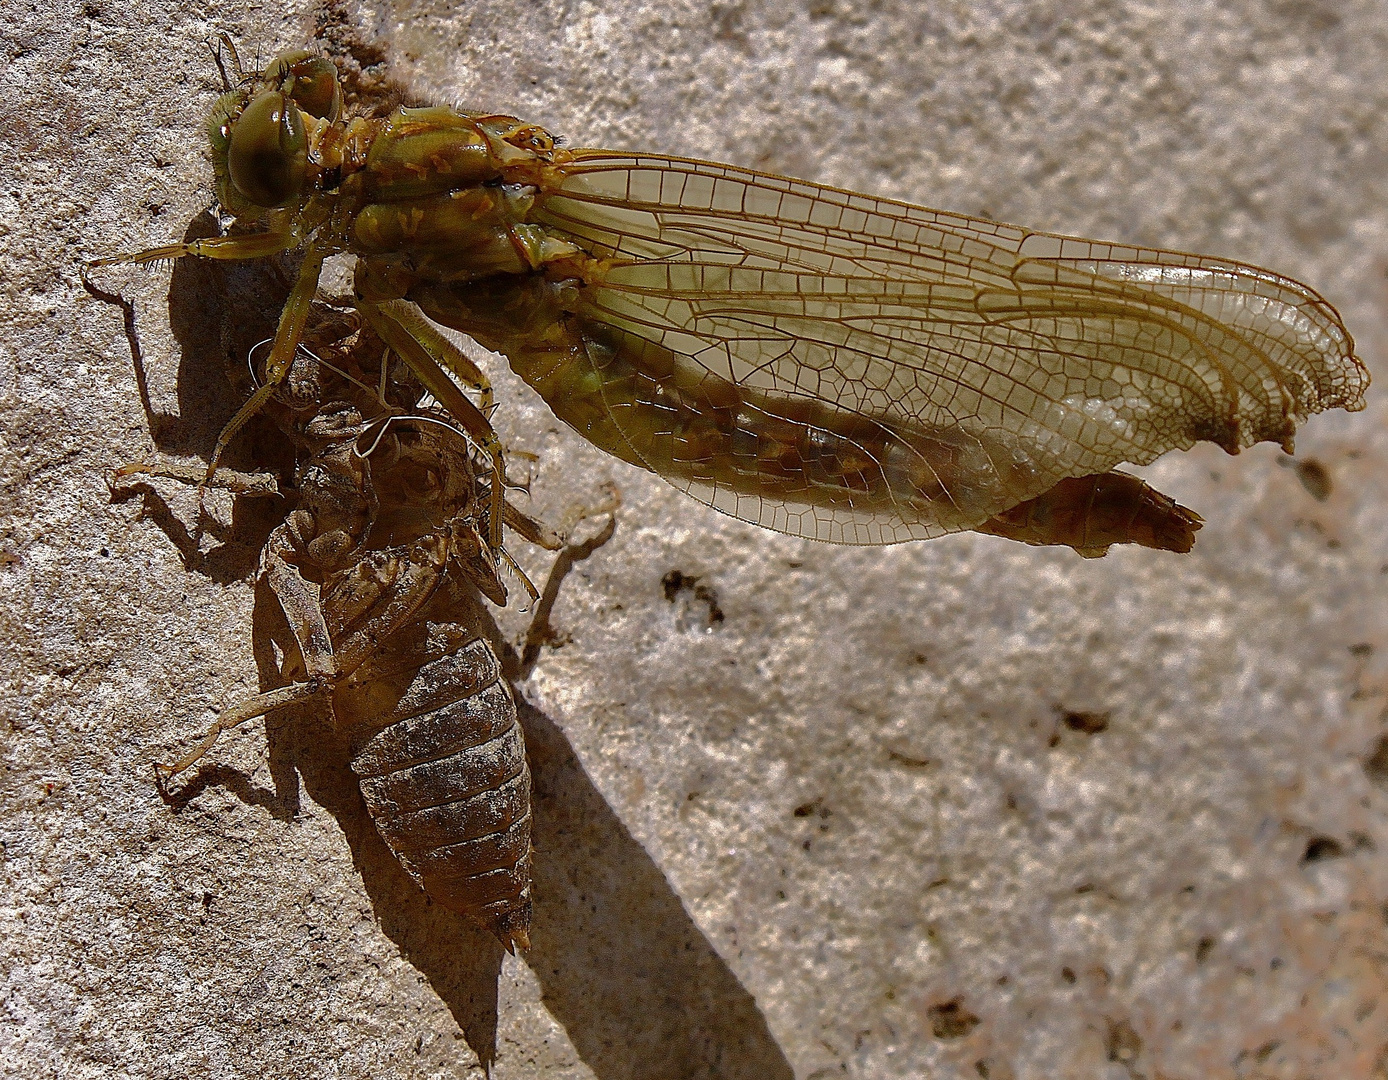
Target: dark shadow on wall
{"x": 217, "y": 311}
{"x": 629, "y": 975}
{"x": 641, "y": 992}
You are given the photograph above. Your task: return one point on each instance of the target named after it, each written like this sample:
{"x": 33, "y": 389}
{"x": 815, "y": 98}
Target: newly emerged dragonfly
{"x": 820, "y": 362}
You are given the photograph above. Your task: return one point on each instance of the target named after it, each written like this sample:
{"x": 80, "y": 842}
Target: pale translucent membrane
{"x": 1034, "y": 357}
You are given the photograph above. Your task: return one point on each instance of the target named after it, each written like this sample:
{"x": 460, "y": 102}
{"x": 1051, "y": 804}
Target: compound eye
{"x": 313, "y": 86}
{"x": 268, "y": 150}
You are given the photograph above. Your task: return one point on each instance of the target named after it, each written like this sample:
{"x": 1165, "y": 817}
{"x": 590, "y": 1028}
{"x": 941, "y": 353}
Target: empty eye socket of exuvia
{"x": 268, "y": 150}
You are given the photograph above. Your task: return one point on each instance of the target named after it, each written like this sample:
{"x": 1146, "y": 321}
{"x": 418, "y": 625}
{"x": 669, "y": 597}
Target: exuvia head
{"x": 259, "y": 133}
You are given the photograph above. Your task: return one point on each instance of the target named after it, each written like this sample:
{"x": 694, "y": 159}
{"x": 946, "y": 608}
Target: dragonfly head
{"x": 259, "y": 131}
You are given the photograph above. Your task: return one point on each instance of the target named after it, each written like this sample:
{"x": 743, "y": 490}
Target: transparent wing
{"x": 935, "y": 369}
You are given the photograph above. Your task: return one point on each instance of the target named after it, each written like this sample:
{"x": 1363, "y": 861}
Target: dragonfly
{"x": 817, "y": 361}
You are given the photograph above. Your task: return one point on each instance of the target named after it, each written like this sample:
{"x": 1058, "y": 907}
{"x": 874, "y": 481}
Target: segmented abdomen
{"x": 441, "y": 761}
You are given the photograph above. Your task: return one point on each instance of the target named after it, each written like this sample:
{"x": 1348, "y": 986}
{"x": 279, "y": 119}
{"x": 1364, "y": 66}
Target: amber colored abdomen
{"x": 441, "y": 761}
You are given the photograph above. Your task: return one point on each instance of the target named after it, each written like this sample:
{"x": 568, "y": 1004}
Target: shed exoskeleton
{"x": 376, "y": 569}
{"x": 418, "y": 693}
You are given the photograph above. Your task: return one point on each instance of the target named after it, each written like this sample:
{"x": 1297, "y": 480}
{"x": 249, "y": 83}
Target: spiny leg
{"x": 537, "y": 532}
{"x": 237, "y": 715}
{"x": 224, "y": 42}
{"x": 413, "y": 322}
{"x": 281, "y": 358}
{"x": 400, "y": 325}
{"x": 292, "y": 318}
{"x": 229, "y": 248}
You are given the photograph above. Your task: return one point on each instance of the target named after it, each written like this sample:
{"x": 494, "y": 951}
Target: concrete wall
{"x": 814, "y": 837}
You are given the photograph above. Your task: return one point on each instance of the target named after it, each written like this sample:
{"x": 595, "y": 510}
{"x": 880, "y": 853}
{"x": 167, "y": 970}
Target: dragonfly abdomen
{"x": 728, "y": 443}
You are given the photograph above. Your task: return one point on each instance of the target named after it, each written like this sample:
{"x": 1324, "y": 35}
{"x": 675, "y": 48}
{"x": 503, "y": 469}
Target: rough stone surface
{"x": 960, "y": 809}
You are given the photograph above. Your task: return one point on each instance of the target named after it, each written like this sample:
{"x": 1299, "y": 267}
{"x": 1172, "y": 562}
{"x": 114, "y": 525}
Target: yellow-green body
{"x": 813, "y": 360}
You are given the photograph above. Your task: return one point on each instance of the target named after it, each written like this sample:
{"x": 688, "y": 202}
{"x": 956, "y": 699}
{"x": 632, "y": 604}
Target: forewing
{"x": 1030, "y": 357}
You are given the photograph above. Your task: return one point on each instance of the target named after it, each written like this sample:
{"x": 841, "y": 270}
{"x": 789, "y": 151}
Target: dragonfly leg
{"x": 448, "y": 355}
{"x": 528, "y": 528}
{"x": 291, "y": 326}
{"x": 238, "y": 483}
{"x": 287, "y": 338}
{"x": 231, "y": 248}
{"x": 427, "y": 352}
{"x": 303, "y": 610}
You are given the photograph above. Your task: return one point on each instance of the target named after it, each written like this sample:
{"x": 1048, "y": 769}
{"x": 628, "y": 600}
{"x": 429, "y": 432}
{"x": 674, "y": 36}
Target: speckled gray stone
{"x": 847, "y": 811}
